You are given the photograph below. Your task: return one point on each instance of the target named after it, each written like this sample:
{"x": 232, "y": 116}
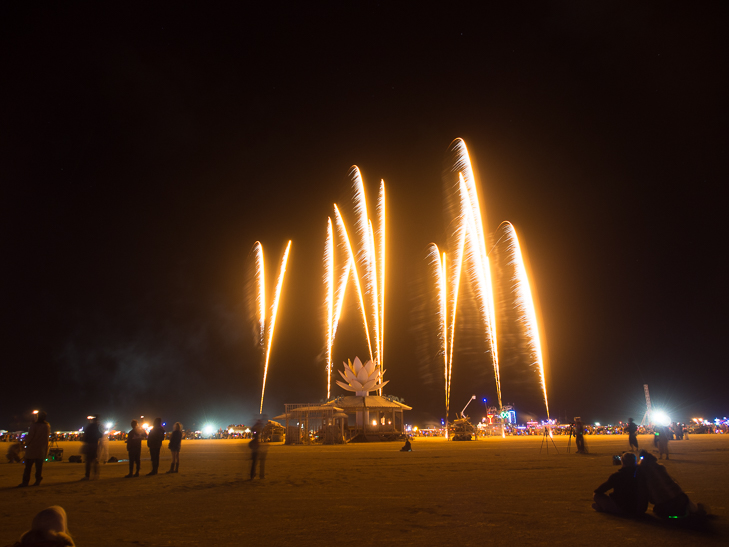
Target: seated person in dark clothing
{"x": 407, "y": 447}
{"x": 667, "y": 497}
{"x": 629, "y": 497}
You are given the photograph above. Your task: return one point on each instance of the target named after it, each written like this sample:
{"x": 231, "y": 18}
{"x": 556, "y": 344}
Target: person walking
{"x": 134, "y": 448}
{"x": 90, "y": 447}
{"x": 632, "y": 430}
{"x": 154, "y": 443}
{"x": 36, "y": 448}
{"x": 174, "y": 446}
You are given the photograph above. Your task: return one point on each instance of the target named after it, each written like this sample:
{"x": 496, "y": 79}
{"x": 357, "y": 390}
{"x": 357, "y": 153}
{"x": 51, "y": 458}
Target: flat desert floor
{"x": 494, "y": 492}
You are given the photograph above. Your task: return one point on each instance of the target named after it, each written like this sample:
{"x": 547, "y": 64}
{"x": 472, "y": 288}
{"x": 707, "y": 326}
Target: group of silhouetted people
{"x": 636, "y": 485}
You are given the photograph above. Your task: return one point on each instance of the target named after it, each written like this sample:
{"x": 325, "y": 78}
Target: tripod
{"x": 569, "y": 441}
{"x": 546, "y": 438}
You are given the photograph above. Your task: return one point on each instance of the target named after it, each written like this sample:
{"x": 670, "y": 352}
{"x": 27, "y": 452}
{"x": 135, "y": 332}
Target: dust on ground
{"x": 494, "y": 492}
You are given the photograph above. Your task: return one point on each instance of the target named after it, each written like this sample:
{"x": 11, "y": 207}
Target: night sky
{"x": 145, "y": 150}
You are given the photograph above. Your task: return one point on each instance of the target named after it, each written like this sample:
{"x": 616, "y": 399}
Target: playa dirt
{"x": 493, "y": 492}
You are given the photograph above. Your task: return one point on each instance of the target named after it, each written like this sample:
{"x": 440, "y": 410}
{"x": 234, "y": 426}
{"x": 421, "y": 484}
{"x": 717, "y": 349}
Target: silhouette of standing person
{"x": 174, "y": 446}
{"x": 154, "y": 442}
{"x": 134, "y": 448}
{"x": 36, "y": 448}
{"x": 90, "y": 448}
{"x": 258, "y": 451}
{"x": 662, "y": 435}
{"x": 632, "y": 430}
{"x": 580, "y": 435}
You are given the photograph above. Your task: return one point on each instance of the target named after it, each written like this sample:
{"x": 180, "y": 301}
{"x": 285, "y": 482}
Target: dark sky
{"x": 144, "y": 151}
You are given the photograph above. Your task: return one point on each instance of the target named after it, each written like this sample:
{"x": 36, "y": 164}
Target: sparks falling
{"x": 365, "y": 264}
{"x": 267, "y": 325}
{"x": 470, "y": 253}
{"x": 525, "y": 303}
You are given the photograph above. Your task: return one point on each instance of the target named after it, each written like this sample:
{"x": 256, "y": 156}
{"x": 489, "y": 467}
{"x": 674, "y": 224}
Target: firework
{"x": 366, "y": 268}
{"x": 525, "y": 303}
{"x": 267, "y": 328}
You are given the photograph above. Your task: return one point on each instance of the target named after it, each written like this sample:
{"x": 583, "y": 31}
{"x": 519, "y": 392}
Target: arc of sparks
{"x": 481, "y": 274}
{"x": 261, "y": 296}
{"x": 329, "y": 290}
{"x": 274, "y": 313}
{"x": 363, "y": 228}
{"x": 380, "y": 250}
{"x": 440, "y": 270}
{"x": 525, "y": 303}
{"x": 350, "y": 254}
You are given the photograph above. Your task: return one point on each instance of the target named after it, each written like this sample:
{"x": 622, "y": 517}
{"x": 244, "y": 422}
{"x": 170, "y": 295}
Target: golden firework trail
{"x": 260, "y": 277}
{"x": 525, "y": 303}
{"x": 334, "y": 297}
{"x": 363, "y": 228}
{"x": 380, "y": 252}
{"x": 441, "y": 279}
{"x": 351, "y": 258}
{"x": 329, "y": 291}
{"x": 274, "y": 310}
{"x": 480, "y": 273}
{"x": 366, "y": 266}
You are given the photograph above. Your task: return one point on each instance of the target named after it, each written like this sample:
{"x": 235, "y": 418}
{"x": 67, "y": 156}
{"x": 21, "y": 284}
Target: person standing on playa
{"x": 154, "y": 442}
{"x": 90, "y": 447}
{"x": 174, "y": 446}
{"x": 580, "y": 435}
{"x": 258, "y": 451}
{"x": 36, "y": 448}
{"x": 632, "y": 430}
{"x": 134, "y": 448}
{"x": 662, "y": 435}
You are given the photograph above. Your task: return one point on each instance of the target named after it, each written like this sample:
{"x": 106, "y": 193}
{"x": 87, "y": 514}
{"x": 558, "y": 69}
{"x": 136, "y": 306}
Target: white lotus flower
{"x": 361, "y": 378}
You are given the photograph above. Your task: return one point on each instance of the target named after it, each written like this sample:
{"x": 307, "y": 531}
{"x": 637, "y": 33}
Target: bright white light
{"x": 109, "y": 425}
{"x": 660, "y": 417}
{"x": 208, "y": 429}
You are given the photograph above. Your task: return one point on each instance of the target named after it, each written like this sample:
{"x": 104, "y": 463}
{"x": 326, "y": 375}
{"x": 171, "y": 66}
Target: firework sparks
{"x": 366, "y": 267}
{"x": 525, "y": 304}
{"x": 274, "y": 307}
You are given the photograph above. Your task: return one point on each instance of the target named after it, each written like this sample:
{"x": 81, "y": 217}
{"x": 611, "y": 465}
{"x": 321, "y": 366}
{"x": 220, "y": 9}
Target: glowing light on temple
{"x": 525, "y": 303}
{"x": 267, "y": 327}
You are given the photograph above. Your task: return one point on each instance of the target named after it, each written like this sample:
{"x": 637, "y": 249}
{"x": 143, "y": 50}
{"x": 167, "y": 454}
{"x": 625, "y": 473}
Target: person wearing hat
{"x": 36, "y": 449}
{"x": 49, "y": 529}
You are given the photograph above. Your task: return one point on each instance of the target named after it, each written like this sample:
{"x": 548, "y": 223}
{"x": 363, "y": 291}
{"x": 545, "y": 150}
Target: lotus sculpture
{"x": 361, "y": 378}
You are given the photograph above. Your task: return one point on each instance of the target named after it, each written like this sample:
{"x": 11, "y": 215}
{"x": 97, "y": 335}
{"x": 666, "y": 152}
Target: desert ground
{"x": 491, "y": 491}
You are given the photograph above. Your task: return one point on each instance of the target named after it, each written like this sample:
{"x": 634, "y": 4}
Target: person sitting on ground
{"x": 407, "y": 447}
{"x": 49, "y": 529}
{"x": 629, "y": 497}
{"x": 668, "y": 500}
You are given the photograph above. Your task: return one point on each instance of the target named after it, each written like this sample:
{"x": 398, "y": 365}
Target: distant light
{"x": 597, "y": 423}
{"x": 164, "y": 423}
{"x": 90, "y": 417}
{"x": 109, "y": 425}
{"x": 374, "y": 422}
{"x": 484, "y": 399}
{"x": 415, "y": 428}
{"x": 208, "y": 429}
{"x": 35, "y": 412}
{"x": 660, "y": 417}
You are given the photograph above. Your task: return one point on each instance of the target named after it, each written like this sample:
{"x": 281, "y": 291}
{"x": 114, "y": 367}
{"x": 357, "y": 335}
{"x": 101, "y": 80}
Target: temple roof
{"x": 350, "y": 403}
